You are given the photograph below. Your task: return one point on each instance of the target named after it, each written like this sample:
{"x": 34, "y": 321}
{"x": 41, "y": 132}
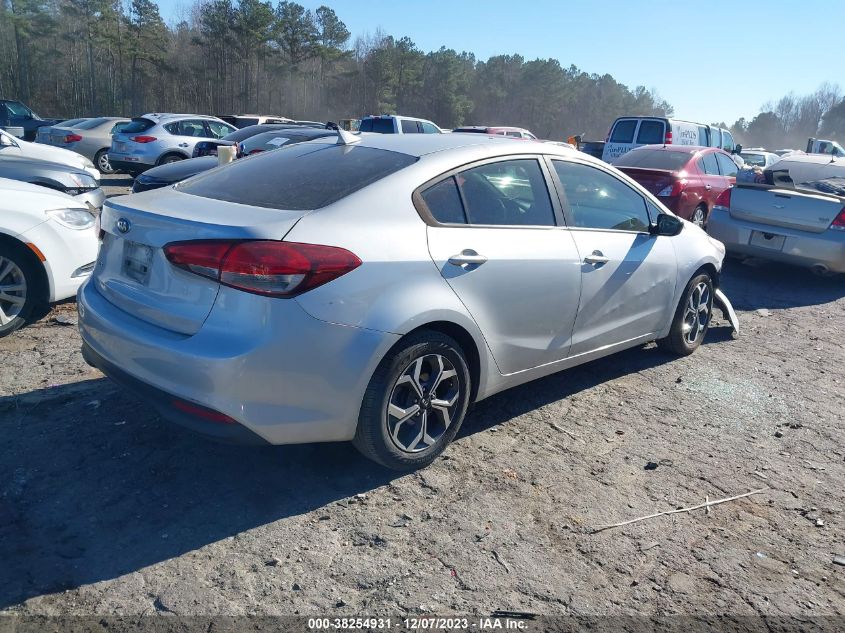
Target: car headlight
{"x": 84, "y": 181}
{"x": 77, "y": 219}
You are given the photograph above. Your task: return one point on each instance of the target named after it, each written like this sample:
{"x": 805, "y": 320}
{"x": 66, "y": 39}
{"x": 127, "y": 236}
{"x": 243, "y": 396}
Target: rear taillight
{"x": 270, "y": 268}
{"x": 724, "y": 199}
{"x": 839, "y": 221}
{"x": 667, "y": 138}
{"x": 672, "y": 190}
{"x": 72, "y": 138}
{"x": 143, "y": 139}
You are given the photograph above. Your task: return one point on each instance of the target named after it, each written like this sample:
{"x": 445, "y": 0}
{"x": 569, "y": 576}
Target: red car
{"x": 686, "y": 178}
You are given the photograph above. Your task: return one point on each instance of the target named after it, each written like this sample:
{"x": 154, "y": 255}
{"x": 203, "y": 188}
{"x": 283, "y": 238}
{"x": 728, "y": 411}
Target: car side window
{"x": 514, "y": 134}
{"x": 726, "y": 165}
{"x": 217, "y": 129}
{"x": 711, "y": 167}
{"x": 623, "y": 131}
{"x": 118, "y": 127}
{"x": 444, "y": 202}
{"x": 410, "y": 127}
{"x": 507, "y": 193}
{"x": 650, "y": 133}
{"x": 428, "y": 128}
{"x": 598, "y": 200}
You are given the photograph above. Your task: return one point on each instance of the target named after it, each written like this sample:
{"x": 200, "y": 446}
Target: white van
{"x": 629, "y": 132}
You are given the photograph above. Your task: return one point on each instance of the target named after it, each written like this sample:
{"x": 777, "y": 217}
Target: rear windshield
{"x": 299, "y": 177}
{"x": 241, "y": 122}
{"x": 138, "y": 125}
{"x": 623, "y": 131}
{"x": 381, "y": 126}
{"x": 478, "y": 130}
{"x": 758, "y": 160}
{"x": 651, "y": 132}
{"x": 653, "y": 159}
{"x": 90, "y": 124}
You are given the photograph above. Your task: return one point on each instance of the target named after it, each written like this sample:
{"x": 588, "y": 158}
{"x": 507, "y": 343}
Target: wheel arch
{"x": 44, "y": 281}
{"x": 171, "y": 152}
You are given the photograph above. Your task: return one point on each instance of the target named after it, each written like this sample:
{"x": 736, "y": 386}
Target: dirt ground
{"x": 107, "y": 510}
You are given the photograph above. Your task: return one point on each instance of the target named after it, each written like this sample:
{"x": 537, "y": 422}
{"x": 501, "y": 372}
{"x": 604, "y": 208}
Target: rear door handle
{"x": 708, "y": 187}
{"x": 467, "y": 257}
{"x": 596, "y": 258}
{"x": 183, "y": 145}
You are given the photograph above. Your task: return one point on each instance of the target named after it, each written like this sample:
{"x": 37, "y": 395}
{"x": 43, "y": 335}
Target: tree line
{"x": 790, "y": 121}
{"x": 68, "y": 58}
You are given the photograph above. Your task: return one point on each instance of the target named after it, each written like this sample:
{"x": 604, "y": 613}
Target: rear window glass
{"x": 478, "y": 130}
{"x": 381, "y": 126}
{"x": 710, "y": 165}
{"x": 651, "y": 132}
{"x": 91, "y": 123}
{"x": 138, "y": 125}
{"x": 410, "y": 127}
{"x": 444, "y": 202}
{"x": 758, "y": 160}
{"x": 623, "y": 131}
{"x": 295, "y": 177}
{"x": 653, "y": 159}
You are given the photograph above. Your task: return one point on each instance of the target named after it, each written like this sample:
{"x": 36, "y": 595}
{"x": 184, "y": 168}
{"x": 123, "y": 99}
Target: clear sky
{"x": 713, "y": 61}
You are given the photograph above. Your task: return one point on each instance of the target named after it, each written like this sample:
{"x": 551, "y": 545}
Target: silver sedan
{"x": 91, "y": 138}
{"x": 371, "y": 288}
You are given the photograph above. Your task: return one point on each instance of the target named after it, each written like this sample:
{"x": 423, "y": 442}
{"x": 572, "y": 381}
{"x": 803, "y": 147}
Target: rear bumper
{"x": 130, "y": 165}
{"x": 280, "y": 373}
{"x": 801, "y": 248}
{"x": 164, "y": 403}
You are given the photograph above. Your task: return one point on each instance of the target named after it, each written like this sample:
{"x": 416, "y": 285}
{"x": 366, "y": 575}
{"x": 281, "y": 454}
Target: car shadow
{"x": 97, "y": 486}
{"x": 763, "y": 284}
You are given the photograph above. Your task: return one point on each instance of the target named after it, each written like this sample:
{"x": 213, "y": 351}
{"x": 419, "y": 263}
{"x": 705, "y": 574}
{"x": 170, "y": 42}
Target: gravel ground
{"x": 105, "y": 509}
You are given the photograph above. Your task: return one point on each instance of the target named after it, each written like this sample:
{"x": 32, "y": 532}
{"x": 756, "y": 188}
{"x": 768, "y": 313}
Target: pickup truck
{"x": 20, "y": 121}
{"x": 824, "y": 146}
{"x": 800, "y": 224}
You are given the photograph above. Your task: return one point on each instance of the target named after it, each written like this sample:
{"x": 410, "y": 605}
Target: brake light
{"x": 143, "y": 139}
{"x": 672, "y": 190}
{"x": 269, "y": 268}
{"x": 667, "y": 138}
{"x": 839, "y": 221}
{"x": 724, "y": 199}
{"x": 72, "y": 138}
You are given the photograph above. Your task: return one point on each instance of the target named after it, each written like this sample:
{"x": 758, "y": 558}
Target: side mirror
{"x": 667, "y": 225}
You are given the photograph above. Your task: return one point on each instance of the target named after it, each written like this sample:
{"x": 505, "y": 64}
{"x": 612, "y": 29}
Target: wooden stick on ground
{"x": 706, "y": 504}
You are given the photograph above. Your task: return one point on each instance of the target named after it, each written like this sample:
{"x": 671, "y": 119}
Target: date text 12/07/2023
{"x": 421, "y": 623}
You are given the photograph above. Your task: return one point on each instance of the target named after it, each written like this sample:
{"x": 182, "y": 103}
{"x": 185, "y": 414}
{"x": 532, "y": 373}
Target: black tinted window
{"x": 623, "y": 131}
{"x": 444, "y": 202}
{"x": 298, "y": 177}
{"x": 410, "y": 127}
{"x": 138, "y": 125}
{"x": 710, "y": 166}
{"x": 381, "y": 126}
{"x": 726, "y": 165}
{"x": 651, "y": 132}
{"x": 598, "y": 200}
{"x": 653, "y": 159}
{"x": 510, "y": 192}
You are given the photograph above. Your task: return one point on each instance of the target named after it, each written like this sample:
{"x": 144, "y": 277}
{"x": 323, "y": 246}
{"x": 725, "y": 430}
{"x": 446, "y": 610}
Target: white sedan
{"x": 48, "y": 246}
{"x": 16, "y": 147}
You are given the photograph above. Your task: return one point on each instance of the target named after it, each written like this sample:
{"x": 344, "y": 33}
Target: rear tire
{"x": 415, "y": 403}
{"x": 20, "y": 287}
{"x": 101, "y": 161}
{"x": 692, "y": 317}
{"x": 170, "y": 158}
{"x": 699, "y": 216}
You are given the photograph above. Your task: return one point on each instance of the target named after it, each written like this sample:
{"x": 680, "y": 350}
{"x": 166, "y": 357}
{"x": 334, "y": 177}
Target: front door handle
{"x": 467, "y": 257}
{"x": 183, "y": 145}
{"x": 596, "y": 258}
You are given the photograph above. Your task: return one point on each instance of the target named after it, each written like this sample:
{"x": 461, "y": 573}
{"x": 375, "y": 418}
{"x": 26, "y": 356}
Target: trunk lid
{"x": 132, "y": 271}
{"x": 788, "y": 208}
{"x": 653, "y": 180}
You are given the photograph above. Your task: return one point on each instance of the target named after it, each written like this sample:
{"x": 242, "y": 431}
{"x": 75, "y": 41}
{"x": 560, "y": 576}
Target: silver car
{"x": 42, "y": 134}
{"x": 91, "y": 138}
{"x": 371, "y": 289}
{"x": 158, "y": 139}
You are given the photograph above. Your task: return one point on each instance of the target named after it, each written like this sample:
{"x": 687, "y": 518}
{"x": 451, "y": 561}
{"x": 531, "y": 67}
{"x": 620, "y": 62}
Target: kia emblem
{"x": 124, "y": 225}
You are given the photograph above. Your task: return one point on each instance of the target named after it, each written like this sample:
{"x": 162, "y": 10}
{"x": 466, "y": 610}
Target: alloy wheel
{"x": 698, "y": 217}
{"x": 423, "y": 403}
{"x": 103, "y": 163}
{"x": 12, "y": 290}
{"x": 697, "y": 314}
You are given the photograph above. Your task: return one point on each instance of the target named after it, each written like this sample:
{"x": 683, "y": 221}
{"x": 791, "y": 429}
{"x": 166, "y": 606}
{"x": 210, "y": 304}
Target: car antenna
{"x": 346, "y": 138}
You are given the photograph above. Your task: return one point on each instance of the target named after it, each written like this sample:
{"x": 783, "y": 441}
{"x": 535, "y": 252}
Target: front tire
{"x": 415, "y": 403}
{"x": 692, "y": 317}
{"x": 19, "y": 287}
{"x": 699, "y": 216}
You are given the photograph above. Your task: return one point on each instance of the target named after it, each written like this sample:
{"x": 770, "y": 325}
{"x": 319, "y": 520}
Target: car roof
{"x": 422, "y": 144}
{"x": 166, "y": 116}
{"x": 688, "y": 149}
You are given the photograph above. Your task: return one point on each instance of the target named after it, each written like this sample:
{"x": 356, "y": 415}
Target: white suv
{"x": 394, "y": 124}
{"x": 158, "y": 139}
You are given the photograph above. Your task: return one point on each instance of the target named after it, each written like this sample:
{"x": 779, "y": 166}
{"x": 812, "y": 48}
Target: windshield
{"x": 299, "y": 177}
{"x": 755, "y": 160}
{"x": 381, "y": 126}
{"x": 91, "y": 123}
{"x": 653, "y": 159}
